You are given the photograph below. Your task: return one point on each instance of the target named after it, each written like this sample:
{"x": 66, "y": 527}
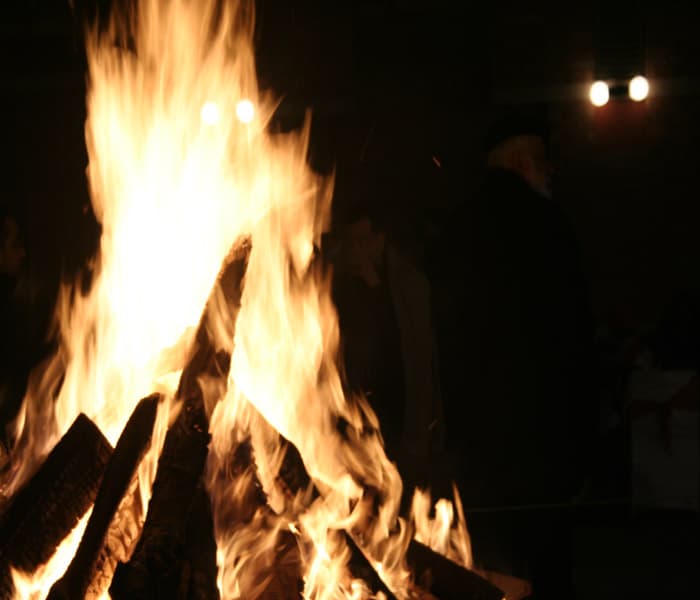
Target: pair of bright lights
{"x": 245, "y": 112}
{"x": 638, "y": 90}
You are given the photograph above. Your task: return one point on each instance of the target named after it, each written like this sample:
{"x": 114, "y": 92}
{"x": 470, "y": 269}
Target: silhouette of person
{"x": 521, "y": 411}
{"x": 388, "y": 343}
{"x": 22, "y": 321}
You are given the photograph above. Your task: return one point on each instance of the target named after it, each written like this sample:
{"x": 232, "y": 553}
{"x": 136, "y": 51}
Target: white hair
{"x": 524, "y": 155}
{"x": 510, "y": 152}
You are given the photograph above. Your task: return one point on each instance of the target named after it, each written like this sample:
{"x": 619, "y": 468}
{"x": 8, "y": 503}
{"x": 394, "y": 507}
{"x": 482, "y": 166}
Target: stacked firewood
{"x": 173, "y": 554}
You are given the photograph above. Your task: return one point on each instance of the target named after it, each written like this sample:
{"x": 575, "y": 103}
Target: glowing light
{"x": 439, "y": 530}
{"x": 245, "y": 111}
{"x": 210, "y": 113}
{"x": 600, "y": 93}
{"x": 639, "y": 88}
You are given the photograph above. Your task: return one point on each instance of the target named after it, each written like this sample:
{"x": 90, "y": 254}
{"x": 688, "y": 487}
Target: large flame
{"x": 181, "y": 167}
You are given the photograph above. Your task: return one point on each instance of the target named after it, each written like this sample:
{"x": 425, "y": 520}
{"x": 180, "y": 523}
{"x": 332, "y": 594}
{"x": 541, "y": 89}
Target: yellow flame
{"x": 245, "y": 111}
{"x": 210, "y": 113}
{"x": 172, "y": 194}
{"x": 445, "y": 533}
{"x": 181, "y": 167}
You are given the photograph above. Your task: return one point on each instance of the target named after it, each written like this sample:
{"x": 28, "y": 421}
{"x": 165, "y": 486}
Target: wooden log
{"x": 272, "y": 574}
{"x": 161, "y": 565}
{"x": 361, "y": 568}
{"x": 120, "y": 541}
{"x": 48, "y": 507}
{"x": 433, "y": 572}
{"x": 198, "y": 578}
{"x": 446, "y": 579}
{"x": 118, "y": 475}
{"x": 155, "y": 567}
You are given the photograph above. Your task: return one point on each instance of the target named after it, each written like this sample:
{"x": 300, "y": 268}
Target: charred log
{"x": 198, "y": 577}
{"x": 120, "y": 541}
{"x": 42, "y": 513}
{"x": 446, "y": 579}
{"x": 175, "y": 556}
{"x": 272, "y": 570}
{"x": 361, "y": 568}
{"x": 433, "y": 572}
{"x": 122, "y": 466}
{"x": 154, "y": 569}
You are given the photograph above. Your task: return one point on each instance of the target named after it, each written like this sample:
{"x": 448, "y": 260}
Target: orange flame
{"x": 172, "y": 193}
{"x": 181, "y": 167}
{"x": 445, "y": 533}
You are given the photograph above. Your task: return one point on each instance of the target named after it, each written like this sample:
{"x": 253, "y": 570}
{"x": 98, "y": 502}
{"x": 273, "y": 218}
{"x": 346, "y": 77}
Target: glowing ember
{"x": 176, "y": 180}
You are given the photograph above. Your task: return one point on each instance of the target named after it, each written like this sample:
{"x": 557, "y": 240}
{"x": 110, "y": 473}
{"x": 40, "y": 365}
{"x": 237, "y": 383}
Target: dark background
{"x": 397, "y": 84}
{"x": 406, "y": 89}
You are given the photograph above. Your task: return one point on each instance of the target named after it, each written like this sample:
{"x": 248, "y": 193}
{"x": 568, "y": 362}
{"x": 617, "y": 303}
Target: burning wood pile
{"x": 244, "y": 471}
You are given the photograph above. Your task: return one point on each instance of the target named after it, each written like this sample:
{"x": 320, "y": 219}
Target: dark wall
{"x": 625, "y": 172}
{"x": 44, "y": 158}
{"x": 405, "y": 89}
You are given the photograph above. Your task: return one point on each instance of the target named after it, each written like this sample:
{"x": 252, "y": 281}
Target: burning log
{"x": 176, "y": 554}
{"x": 156, "y": 566}
{"x": 446, "y": 579}
{"x": 433, "y": 572}
{"x": 43, "y": 512}
{"x": 361, "y": 568}
{"x": 157, "y": 562}
{"x": 122, "y": 466}
{"x": 179, "y": 471}
{"x": 199, "y": 573}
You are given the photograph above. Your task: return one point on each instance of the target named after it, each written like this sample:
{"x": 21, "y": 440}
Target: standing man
{"x": 520, "y": 406}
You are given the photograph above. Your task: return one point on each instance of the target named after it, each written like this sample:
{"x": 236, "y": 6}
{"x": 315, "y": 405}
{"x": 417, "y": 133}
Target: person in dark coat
{"x": 519, "y": 403}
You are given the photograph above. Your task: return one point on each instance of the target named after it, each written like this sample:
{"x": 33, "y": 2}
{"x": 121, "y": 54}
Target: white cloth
{"x": 424, "y": 421}
{"x": 664, "y": 477}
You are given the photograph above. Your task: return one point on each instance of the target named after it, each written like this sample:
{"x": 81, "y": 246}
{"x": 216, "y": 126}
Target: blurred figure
{"x": 12, "y": 253}
{"x": 388, "y": 344}
{"x": 23, "y": 321}
{"x": 521, "y": 359}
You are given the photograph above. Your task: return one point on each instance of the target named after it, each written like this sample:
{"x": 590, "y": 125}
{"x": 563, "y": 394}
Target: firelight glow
{"x": 245, "y": 111}
{"x": 600, "y": 93}
{"x": 173, "y": 198}
{"x": 639, "y": 88}
{"x": 210, "y": 113}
